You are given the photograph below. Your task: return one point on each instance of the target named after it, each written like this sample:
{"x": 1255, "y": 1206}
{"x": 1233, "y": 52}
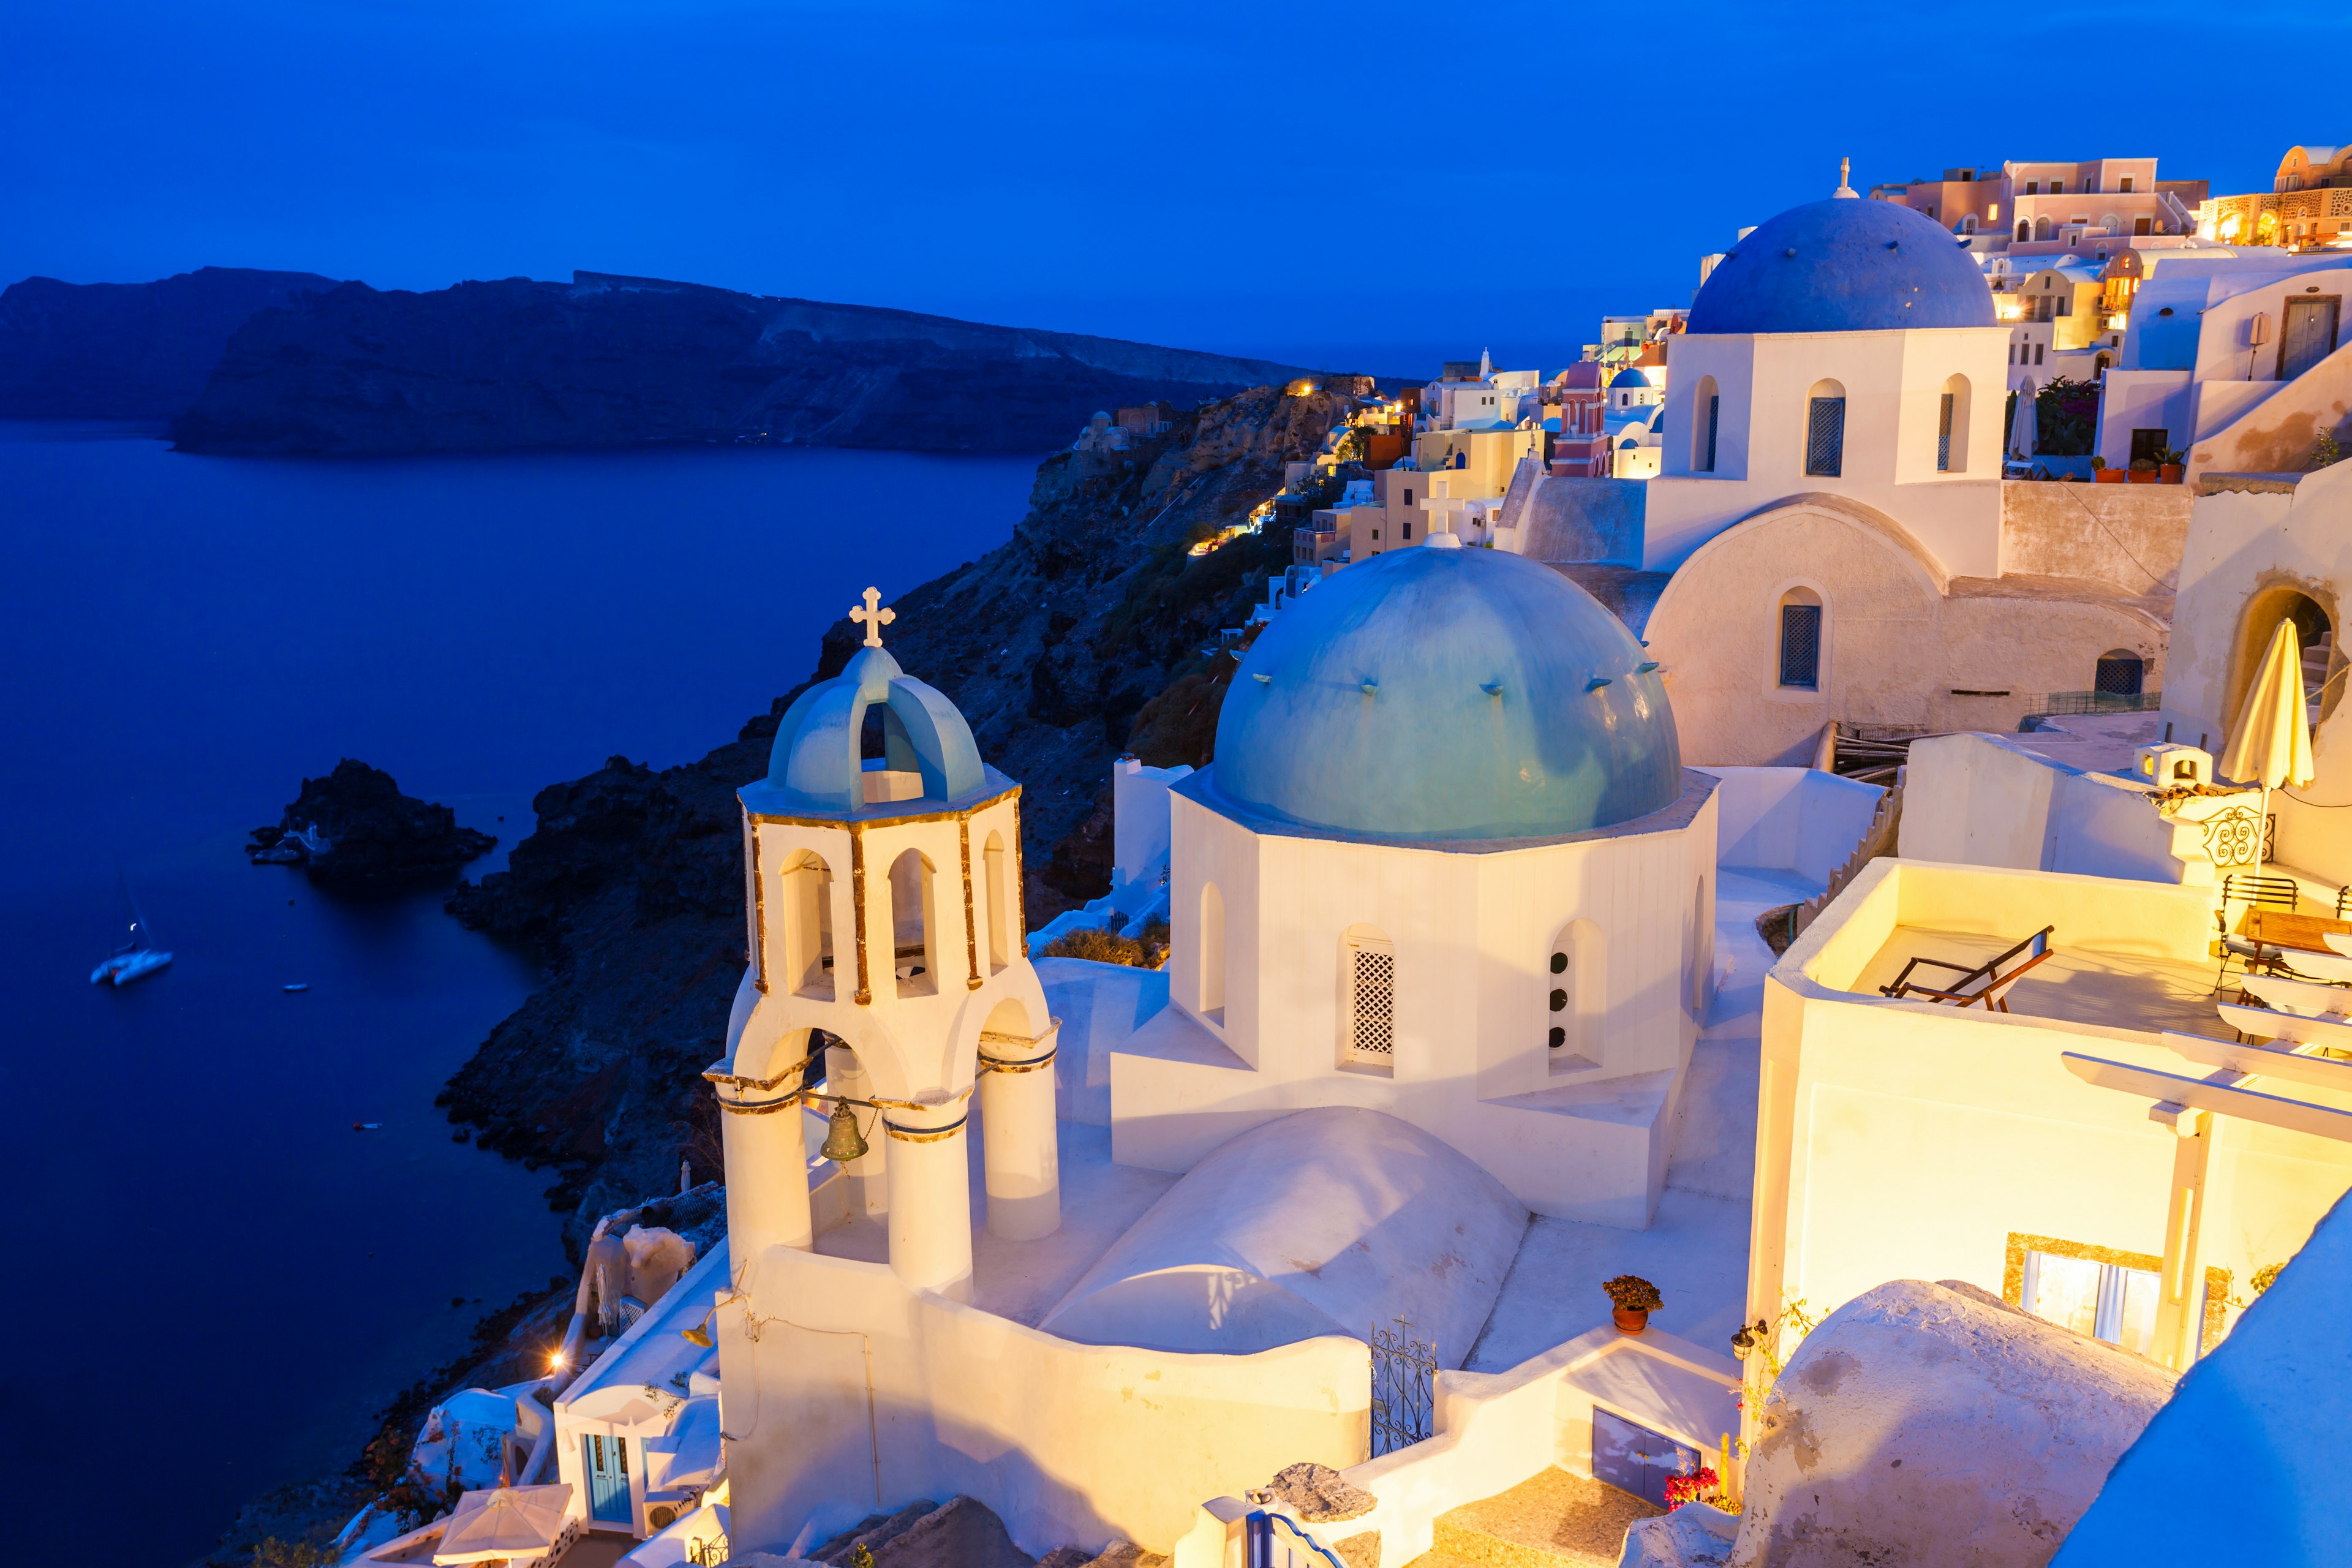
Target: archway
{"x": 913, "y": 925}
{"x": 1575, "y": 998}
{"x": 1706, "y": 406}
{"x": 1952, "y": 427}
{"x": 806, "y": 906}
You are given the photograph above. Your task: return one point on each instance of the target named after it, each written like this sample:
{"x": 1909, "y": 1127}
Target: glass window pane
{"x": 2066, "y": 1291}
{"x": 2140, "y": 1312}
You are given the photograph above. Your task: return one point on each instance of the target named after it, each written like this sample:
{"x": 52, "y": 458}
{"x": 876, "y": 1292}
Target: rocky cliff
{"x": 1080, "y": 639}
{"x": 605, "y": 360}
{"x": 126, "y": 350}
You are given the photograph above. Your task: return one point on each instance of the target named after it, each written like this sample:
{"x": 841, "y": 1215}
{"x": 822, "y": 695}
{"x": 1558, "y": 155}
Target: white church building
{"x": 1443, "y": 936}
{"x": 1829, "y": 536}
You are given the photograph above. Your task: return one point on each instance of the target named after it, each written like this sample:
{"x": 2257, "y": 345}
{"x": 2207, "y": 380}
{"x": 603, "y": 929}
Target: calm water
{"x": 218, "y": 1278}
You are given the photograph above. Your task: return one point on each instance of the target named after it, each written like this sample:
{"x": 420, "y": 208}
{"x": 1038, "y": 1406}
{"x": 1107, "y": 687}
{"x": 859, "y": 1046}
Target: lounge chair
{"x": 1988, "y": 983}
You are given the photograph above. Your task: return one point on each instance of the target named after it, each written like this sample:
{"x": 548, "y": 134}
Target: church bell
{"x": 843, "y": 1142}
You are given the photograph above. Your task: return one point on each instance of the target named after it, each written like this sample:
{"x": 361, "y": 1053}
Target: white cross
{"x": 874, "y": 616}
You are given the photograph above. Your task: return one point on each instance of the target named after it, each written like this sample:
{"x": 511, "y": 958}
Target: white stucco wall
{"x": 1790, "y": 819}
{"x": 1904, "y": 1140}
{"x": 1474, "y": 933}
{"x": 846, "y": 1392}
{"x": 1901, "y": 643}
{"x": 1894, "y": 384}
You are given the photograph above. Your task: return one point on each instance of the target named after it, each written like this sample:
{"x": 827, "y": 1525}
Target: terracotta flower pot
{"x": 2143, "y": 476}
{"x": 1629, "y": 1322}
{"x": 2109, "y": 476}
{"x": 2170, "y": 472}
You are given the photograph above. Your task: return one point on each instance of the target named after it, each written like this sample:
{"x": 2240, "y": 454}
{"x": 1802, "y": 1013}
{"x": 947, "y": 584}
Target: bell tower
{"x": 884, "y": 899}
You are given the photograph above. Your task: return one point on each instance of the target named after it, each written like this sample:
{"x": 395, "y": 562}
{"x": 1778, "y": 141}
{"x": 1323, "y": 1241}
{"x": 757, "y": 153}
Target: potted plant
{"x": 1633, "y": 1299}
{"x": 2103, "y": 475}
{"x": 2170, "y": 464}
{"x": 2143, "y": 470}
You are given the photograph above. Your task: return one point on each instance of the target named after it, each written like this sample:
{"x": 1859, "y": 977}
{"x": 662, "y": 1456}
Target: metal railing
{"x": 2055, "y": 702}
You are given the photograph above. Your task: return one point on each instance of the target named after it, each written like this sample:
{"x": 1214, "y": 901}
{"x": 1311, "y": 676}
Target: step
{"x": 1550, "y": 1519}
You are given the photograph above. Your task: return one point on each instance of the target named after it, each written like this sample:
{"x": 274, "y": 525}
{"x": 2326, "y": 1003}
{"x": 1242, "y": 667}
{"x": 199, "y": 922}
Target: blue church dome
{"x": 1436, "y": 693}
{"x": 1843, "y": 266}
{"x": 817, "y": 764}
{"x": 1632, "y": 376}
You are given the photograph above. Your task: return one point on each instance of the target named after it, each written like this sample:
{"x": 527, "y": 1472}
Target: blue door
{"x": 605, "y": 1462}
{"x": 1631, "y": 1458}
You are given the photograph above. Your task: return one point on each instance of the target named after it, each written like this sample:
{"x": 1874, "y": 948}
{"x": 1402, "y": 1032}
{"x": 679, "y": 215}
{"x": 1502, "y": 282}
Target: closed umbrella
{"x": 2022, "y": 431}
{"x": 2272, "y": 744}
{"x": 505, "y": 1524}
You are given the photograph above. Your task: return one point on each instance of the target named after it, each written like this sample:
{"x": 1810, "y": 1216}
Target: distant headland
{"x": 293, "y": 363}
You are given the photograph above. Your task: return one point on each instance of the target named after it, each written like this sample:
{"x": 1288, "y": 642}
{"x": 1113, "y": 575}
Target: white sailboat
{"x": 134, "y": 959}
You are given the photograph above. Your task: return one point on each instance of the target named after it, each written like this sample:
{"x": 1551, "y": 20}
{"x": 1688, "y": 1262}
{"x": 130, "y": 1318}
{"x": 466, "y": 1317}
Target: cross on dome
{"x": 1845, "y": 180}
{"x": 874, "y": 616}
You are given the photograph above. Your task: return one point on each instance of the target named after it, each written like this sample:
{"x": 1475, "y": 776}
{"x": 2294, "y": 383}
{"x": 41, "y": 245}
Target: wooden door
{"x": 2307, "y": 334}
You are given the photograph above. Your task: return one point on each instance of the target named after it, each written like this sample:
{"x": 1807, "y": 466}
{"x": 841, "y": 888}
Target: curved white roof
{"x": 1326, "y": 1221}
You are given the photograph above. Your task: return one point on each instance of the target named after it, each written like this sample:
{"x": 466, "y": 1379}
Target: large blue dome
{"x": 1844, "y": 265}
{"x": 1437, "y": 693}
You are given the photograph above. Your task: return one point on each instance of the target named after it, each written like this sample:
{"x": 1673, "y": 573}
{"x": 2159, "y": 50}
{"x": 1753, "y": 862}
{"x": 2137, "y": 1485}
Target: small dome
{"x": 1841, "y": 266}
{"x": 818, "y": 763}
{"x": 1448, "y": 694}
{"x": 1582, "y": 375}
{"x": 1632, "y": 376}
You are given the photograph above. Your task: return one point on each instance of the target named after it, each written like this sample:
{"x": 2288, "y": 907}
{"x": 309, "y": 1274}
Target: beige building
{"x": 1484, "y": 459}
{"x": 2102, "y": 1154}
{"x": 2308, "y": 205}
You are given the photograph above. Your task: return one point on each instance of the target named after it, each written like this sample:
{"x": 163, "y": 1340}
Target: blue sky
{"x": 1371, "y": 182}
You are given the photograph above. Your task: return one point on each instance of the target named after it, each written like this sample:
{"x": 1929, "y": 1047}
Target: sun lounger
{"x": 1988, "y": 983}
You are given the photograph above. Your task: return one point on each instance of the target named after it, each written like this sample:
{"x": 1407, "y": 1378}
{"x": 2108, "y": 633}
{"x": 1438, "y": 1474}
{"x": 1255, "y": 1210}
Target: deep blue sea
{"x": 218, "y": 1278}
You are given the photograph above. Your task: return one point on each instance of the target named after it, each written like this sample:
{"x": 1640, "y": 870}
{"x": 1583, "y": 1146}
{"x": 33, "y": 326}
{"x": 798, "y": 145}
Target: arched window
{"x": 1706, "y": 408}
{"x": 1575, "y": 994}
{"x": 2024, "y": 229}
{"x": 1825, "y": 429}
{"x": 2118, "y": 673}
{"x": 1952, "y": 427}
{"x": 1800, "y": 639}
{"x": 1368, "y": 999}
{"x": 996, "y": 875}
{"x": 805, "y": 903}
{"x": 914, "y": 930}
{"x": 2041, "y": 229}
{"x": 1212, "y": 954}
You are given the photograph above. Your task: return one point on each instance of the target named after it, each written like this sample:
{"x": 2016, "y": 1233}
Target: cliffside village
{"x": 1762, "y": 975}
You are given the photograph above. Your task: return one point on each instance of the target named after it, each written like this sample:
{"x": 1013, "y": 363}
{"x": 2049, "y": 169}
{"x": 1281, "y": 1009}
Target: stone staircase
{"x": 1550, "y": 1521}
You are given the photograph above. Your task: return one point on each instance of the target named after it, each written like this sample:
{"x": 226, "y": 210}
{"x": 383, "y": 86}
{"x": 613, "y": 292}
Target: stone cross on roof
{"x": 1846, "y": 179}
{"x": 874, "y": 616}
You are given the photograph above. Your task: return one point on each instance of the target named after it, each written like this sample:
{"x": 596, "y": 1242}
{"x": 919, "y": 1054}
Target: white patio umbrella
{"x": 508, "y": 1523}
{"x": 2272, "y": 744}
{"x": 2023, "y": 429}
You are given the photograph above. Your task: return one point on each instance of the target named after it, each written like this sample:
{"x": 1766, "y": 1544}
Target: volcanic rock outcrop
{"x": 355, "y": 829}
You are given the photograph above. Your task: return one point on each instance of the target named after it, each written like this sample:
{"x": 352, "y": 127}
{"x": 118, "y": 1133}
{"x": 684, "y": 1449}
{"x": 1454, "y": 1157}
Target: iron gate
{"x": 1405, "y": 1387}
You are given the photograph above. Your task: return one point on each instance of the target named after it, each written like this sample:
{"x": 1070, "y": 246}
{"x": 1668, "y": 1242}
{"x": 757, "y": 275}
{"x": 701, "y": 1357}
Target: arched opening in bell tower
{"x": 914, "y": 925}
{"x": 806, "y": 885}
